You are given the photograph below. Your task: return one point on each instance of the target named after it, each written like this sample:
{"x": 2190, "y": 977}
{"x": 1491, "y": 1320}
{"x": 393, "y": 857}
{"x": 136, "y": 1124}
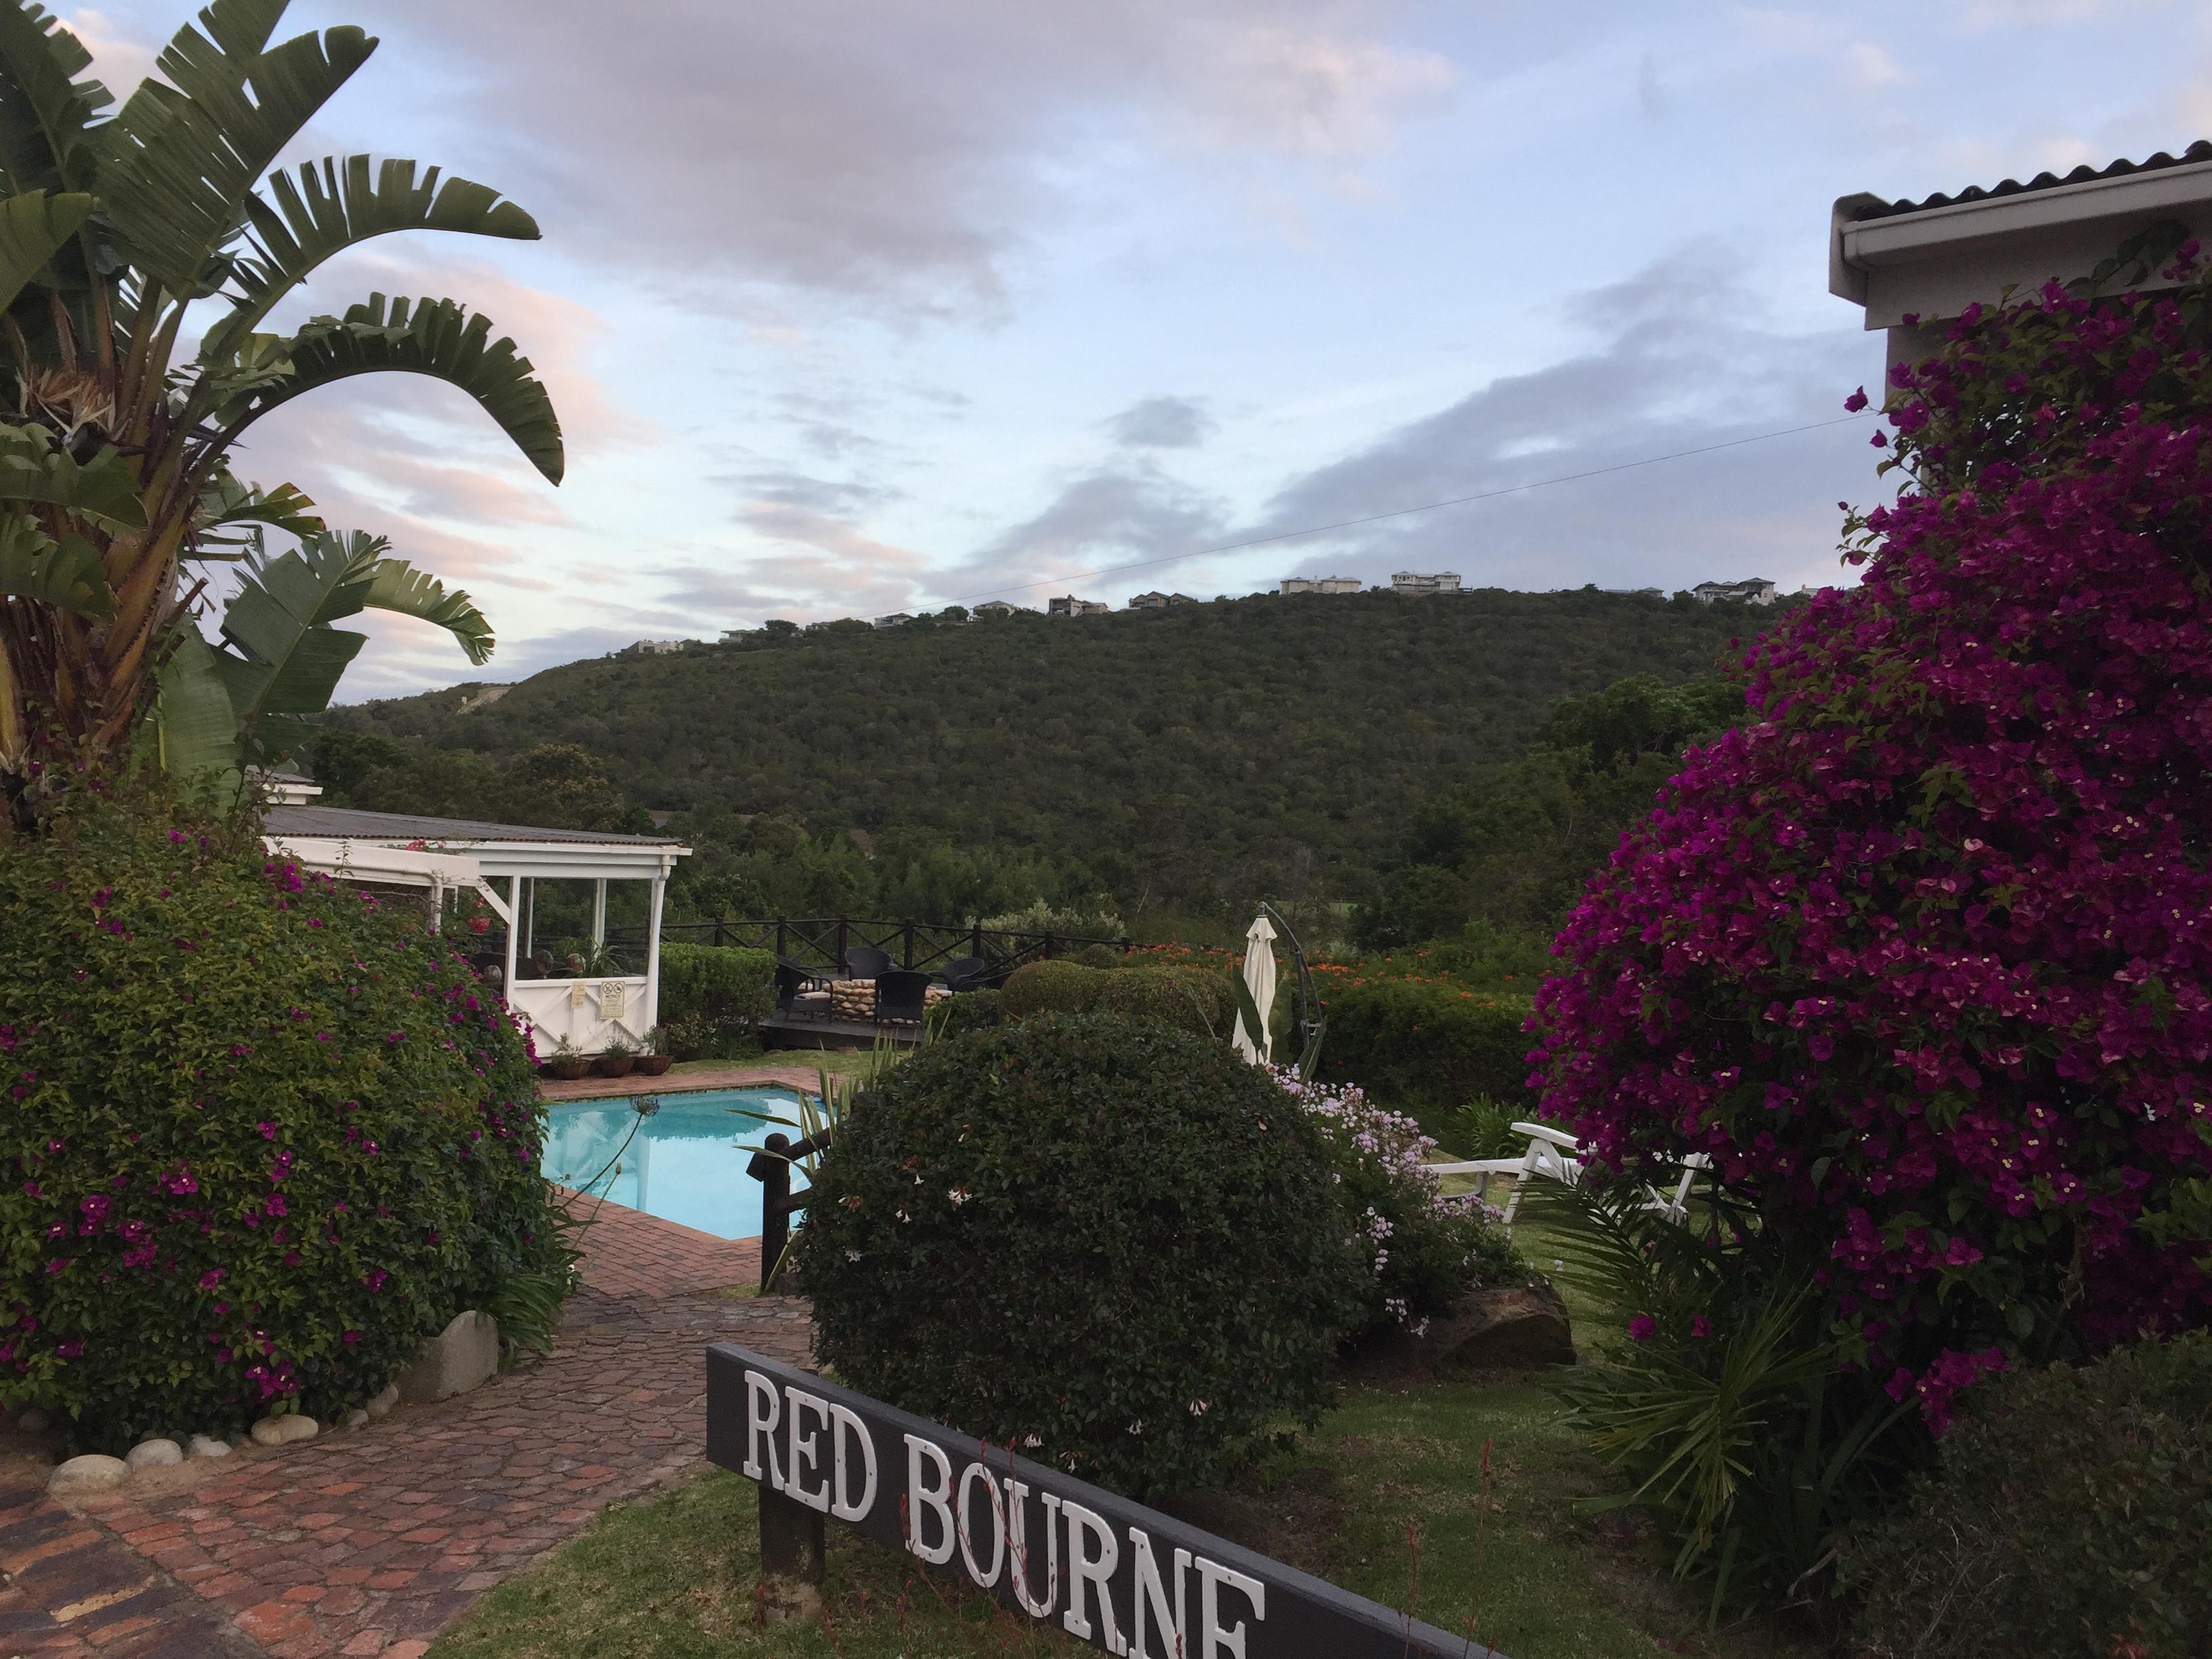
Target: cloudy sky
{"x": 861, "y": 306}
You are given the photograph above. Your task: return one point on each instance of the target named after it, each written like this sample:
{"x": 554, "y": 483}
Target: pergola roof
{"x": 500, "y": 849}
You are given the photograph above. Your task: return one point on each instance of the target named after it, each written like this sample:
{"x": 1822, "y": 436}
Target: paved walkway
{"x": 794, "y": 1076}
{"x": 368, "y": 1542}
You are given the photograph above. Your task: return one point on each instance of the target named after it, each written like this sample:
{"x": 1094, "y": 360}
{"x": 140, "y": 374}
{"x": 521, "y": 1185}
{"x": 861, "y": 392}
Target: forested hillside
{"x": 1190, "y": 759}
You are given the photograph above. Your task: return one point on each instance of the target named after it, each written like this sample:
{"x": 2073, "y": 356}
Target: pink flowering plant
{"x": 262, "y": 1136}
{"x": 1917, "y": 954}
{"x": 1419, "y": 1246}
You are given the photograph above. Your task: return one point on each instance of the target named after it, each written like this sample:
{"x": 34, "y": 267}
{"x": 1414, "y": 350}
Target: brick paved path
{"x": 372, "y": 1541}
{"x": 806, "y": 1078}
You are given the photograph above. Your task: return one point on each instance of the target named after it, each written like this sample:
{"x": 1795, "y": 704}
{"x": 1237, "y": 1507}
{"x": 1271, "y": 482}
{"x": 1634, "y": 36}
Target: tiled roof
{"x": 409, "y": 826}
{"x": 2199, "y": 151}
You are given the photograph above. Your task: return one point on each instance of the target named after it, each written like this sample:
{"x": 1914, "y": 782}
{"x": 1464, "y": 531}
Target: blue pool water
{"x": 686, "y": 1163}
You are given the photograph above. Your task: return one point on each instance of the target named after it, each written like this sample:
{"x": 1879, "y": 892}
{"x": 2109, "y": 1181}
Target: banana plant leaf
{"x": 46, "y": 117}
{"x": 33, "y": 227}
{"x": 66, "y": 574}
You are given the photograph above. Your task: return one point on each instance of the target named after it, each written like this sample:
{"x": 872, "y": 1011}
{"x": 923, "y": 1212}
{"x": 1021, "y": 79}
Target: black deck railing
{"x": 822, "y": 941}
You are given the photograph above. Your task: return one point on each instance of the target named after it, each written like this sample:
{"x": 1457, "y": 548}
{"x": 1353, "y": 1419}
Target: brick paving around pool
{"x": 366, "y": 1542}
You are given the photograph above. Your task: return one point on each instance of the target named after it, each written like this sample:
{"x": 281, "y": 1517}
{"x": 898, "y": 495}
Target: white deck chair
{"x": 1551, "y": 1153}
{"x": 1676, "y": 1209}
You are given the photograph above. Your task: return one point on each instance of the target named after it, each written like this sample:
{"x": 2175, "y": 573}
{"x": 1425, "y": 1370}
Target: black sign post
{"x": 1112, "y": 1573}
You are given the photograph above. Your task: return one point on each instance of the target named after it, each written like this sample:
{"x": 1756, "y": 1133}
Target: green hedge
{"x": 1427, "y": 1048}
{"x": 714, "y": 998}
{"x": 1114, "y": 1236}
{"x": 1191, "y": 999}
{"x": 965, "y": 1011}
{"x": 2071, "y": 1516}
{"x": 262, "y": 1136}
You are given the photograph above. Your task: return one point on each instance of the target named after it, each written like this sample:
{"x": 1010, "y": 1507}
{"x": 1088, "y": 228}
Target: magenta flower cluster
{"x": 1918, "y": 955}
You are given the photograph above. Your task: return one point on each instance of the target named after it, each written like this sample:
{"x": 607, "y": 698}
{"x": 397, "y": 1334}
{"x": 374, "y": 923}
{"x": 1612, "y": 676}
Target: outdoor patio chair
{"x": 903, "y": 995}
{"x": 795, "y": 997}
{"x": 964, "y": 974}
{"x": 867, "y": 962}
{"x": 1551, "y": 1153}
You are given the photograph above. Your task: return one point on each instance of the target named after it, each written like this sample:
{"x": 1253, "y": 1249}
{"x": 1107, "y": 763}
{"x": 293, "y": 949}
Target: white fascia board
{"x": 374, "y": 861}
{"x": 555, "y": 860}
{"x": 1935, "y": 261}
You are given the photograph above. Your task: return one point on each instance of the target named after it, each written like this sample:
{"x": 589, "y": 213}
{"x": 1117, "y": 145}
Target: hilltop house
{"x": 897, "y": 619}
{"x": 1915, "y": 266}
{"x": 1069, "y": 606}
{"x": 1157, "y": 601}
{"x": 1755, "y": 590}
{"x": 1000, "y": 608}
{"x": 1320, "y": 585}
{"x": 652, "y": 648}
{"x": 1406, "y": 582}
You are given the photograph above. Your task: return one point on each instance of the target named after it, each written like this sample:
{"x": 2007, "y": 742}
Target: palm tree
{"x": 114, "y": 458}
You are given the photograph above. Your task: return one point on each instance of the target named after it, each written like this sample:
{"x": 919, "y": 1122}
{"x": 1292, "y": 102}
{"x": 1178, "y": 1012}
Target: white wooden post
{"x": 652, "y": 953}
{"x": 513, "y": 929}
{"x": 599, "y": 913}
{"x": 526, "y": 917}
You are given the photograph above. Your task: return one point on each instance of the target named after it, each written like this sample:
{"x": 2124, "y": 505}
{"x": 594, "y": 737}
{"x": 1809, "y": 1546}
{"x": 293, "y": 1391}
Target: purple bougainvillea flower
{"x": 1700, "y": 1326}
{"x": 1642, "y": 1328}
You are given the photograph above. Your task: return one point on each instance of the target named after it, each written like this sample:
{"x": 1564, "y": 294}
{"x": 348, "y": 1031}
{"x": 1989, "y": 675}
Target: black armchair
{"x": 967, "y": 974}
{"x": 902, "y": 995}
{"x": 867, "y": 962}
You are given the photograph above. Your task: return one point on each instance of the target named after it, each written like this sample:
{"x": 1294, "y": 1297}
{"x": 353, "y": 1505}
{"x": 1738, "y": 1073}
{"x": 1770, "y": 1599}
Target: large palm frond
{"x": 437, "y": 338}
{"x": 178, "y": 161}
{"x": 45, "y": 112}
{"x": 337, "y": 204}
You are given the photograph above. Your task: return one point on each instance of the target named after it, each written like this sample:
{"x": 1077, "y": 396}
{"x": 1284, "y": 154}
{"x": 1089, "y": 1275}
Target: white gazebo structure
{"x": 503, "y": 863}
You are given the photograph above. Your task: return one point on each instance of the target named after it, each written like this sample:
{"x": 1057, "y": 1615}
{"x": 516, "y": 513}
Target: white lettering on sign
{"x": 846, "y": 1430}
{"x": 764, "y": 1410}
{"x": 821, "y": 1453}
{"x": 1150, "y": 1593}
{"x": 976, "y": 1474}
{"x": 1212, "y": 1638}
{"x": 937, "y": 1500}
{"x": 806, "y": 1448}
{"x": 1017, "y": 1505}
{"x": 1094, "y": 1567}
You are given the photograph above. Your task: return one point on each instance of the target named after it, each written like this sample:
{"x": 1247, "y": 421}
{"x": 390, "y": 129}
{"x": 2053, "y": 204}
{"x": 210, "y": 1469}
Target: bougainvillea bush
{"x": 261, "y": 1136}
{"x": 1918, "y": 953}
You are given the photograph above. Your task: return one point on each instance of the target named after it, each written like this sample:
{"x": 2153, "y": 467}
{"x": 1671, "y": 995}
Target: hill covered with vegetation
{"x": 1184, "y": 761}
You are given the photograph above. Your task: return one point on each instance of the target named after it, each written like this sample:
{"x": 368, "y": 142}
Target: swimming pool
{"x": 686, "y": 1163}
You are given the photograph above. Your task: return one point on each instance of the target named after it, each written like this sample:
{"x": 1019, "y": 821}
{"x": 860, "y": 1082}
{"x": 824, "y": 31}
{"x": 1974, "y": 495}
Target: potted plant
{"x": 652, "y": 1054}
{"x": 615, "y": 1059}
{"x": 565, "y": 1063}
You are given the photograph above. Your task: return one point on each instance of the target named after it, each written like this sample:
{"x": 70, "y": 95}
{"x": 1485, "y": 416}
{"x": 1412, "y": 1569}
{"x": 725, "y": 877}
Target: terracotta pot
{"x": 654, "y": 1065}
{"x": 614, "y": 1065}
{"x": 570, "y": 1069}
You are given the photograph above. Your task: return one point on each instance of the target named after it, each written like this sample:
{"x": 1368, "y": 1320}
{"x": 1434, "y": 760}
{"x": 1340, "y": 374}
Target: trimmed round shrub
{"x": 965, "y": 1011}
{"x": 1054, "y": 986}
{"x": 1192, "y": 999}
{"x": 1426, "y": 1046}
{"x": 1100, "y": 956}
{"x": 1916, "y": 955}
{"x": 263, "y": 1137}
{"x": 714, "y": 998}
{"x": 1105, "y": 1242}
{"x": 2071, "y": 1516}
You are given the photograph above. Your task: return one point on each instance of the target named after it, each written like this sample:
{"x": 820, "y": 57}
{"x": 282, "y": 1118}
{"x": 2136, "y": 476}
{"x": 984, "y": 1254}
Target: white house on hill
{"x": 1755, "y": 590}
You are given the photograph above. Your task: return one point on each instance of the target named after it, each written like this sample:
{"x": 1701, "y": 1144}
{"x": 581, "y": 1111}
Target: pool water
{"x": 685, "y": 1163}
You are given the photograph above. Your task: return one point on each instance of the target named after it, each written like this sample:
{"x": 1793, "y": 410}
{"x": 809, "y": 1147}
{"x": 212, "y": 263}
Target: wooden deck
{"x": 782, "y": 1032}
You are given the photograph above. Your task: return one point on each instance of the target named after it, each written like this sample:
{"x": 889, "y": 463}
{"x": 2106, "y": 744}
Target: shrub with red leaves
{"x": 1918, "y": 954}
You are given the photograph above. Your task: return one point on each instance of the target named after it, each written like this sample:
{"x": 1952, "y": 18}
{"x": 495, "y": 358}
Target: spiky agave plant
{"x": 115, "y": 449}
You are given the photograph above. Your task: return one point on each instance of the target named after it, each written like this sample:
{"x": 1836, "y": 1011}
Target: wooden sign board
{"x": 1110, "y": 1572}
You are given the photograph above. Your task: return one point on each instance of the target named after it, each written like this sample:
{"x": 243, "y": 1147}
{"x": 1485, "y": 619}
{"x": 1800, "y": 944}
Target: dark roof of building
{"x": 2199, "y": 151}
{"x": 411, "y": 826}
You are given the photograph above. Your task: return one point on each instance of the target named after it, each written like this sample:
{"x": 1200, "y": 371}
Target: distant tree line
{"x": 1432, "y": 761}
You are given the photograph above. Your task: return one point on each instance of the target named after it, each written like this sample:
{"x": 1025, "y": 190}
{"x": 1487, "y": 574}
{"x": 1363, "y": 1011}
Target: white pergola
{"x": 445, "y": 854}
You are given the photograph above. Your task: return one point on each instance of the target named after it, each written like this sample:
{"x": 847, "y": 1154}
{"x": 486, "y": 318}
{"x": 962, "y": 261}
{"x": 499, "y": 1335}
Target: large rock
{"x": 462, "y": 1356}
{"x": 383, "y": 1400}
{"x": 158, "y": 1452}
{"x": 1505, "y": 1328}
{"x": 285, "y": 1431}
{"x": 204, "y": 1446}
{"x": 89, "y": 1473}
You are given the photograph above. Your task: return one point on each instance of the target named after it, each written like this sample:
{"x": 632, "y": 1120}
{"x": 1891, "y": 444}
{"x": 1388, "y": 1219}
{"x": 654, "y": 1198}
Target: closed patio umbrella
{"x": 1260, "y": 980}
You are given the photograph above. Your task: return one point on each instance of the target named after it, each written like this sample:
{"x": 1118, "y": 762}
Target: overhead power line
{"x": 1403, "y": 511}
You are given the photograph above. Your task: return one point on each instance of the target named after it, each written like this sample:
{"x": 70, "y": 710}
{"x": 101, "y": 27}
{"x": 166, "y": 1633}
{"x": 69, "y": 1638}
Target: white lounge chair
{"x": 1557, "y": 1155}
